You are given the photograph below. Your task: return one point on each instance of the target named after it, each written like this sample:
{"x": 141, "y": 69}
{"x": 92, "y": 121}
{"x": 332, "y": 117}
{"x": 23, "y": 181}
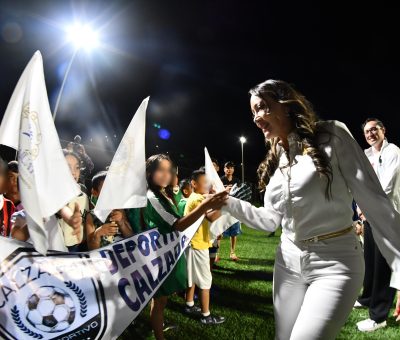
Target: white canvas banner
{"x": 89, "y": 295}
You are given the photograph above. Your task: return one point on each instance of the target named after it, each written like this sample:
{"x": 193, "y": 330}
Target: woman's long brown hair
{"x": 304, "y": 120}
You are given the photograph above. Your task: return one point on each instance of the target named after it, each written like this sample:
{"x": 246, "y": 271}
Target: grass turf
{"x": 242, "y": 293}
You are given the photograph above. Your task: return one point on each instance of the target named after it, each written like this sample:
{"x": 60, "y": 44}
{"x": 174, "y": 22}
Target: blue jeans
{"x": 233, "y": 230}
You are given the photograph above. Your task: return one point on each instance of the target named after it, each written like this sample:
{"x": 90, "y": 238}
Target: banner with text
{"x": 89, "y": 295}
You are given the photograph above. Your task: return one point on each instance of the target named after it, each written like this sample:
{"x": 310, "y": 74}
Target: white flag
{"x": 225, "y": 220}
{"x": 125, "y": 184}
{"x": 212, "y": 175}
{"x": 45, "y": 182}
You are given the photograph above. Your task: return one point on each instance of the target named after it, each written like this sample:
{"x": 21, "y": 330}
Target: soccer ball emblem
{"x": 50, "y": 309}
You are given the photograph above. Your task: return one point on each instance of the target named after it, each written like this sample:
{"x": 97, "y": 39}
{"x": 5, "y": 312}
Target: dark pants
{"x": 377, "y": 294}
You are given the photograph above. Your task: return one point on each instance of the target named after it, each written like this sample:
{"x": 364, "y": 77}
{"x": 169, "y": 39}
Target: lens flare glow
{"x": 82, "y": 36}
{"x": 164, "y": 134}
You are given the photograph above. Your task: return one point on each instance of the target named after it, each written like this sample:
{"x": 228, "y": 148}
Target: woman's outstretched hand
{"x": 216, "y": 201}
{"x": 210, "y": 202}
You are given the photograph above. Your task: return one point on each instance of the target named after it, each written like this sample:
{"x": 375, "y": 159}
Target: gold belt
{"x": 328, "y": 236}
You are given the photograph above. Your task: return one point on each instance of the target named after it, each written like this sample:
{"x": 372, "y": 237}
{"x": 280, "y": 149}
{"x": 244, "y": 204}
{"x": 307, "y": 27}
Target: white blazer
{"x": 295, "y": 196}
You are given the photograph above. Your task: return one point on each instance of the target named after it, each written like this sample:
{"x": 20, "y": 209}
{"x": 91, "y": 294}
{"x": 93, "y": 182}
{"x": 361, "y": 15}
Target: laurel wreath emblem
{"x": 33, "y": 131}
{"x": 80, "y": 295}
{"x": 82, "y": 304}
{"x": 17, "y": 319}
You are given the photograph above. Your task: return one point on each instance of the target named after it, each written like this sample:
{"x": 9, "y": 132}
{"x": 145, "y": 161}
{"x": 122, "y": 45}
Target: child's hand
{"x": 397, "y": 309}
{"x": 359, "y": 228}
{"x": 107, "y": 229}
{"x": 19, "y": 229}
{"x": 118, "y": 216}
{"x": 75, "y": 220}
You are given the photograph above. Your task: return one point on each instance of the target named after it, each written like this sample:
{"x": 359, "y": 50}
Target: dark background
{"x": 197, "y": 60}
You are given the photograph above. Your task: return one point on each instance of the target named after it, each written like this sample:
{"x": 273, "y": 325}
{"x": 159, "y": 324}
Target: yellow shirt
{"x": 201, "y": 239}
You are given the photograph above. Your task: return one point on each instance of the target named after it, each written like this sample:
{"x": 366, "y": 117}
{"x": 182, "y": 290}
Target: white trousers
{"x": 315, "y": 286}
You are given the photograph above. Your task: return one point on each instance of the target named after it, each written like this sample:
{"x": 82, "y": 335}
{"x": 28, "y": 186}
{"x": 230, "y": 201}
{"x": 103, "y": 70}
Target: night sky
{"x": 197, "y": 61}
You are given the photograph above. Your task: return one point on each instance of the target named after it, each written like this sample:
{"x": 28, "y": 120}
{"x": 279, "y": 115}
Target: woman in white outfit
{"x": 311, "y": 173}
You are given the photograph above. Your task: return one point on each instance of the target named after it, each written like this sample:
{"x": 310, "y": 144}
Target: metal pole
{"x": 63, "y": 83}
{"x": 242, "y": 164}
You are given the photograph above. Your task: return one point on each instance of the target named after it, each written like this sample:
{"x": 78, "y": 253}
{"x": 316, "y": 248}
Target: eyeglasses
{"x": 372, "y": 130}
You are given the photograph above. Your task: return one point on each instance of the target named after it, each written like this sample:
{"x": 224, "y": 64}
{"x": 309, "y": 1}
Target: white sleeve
{"x": 263, "y": 218}
{"x": 370, "y": 197}
{"x": 389, "y": 177}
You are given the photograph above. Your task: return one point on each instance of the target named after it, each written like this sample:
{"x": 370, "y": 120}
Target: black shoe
{"x": 212, "y": 320}
{"x": 192, "y": 310}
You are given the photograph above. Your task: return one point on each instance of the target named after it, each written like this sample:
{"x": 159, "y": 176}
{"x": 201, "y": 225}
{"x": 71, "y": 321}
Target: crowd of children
{"x": 171, "y": 206}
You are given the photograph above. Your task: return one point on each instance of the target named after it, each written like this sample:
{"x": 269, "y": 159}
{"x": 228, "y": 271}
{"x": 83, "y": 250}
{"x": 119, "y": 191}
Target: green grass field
{"x": 244, "y": 296}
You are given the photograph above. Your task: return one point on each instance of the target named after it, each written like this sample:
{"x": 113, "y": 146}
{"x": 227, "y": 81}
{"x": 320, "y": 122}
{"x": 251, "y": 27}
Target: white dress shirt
{"x": 295, "y": 196}
{"x": 386, "y": 164}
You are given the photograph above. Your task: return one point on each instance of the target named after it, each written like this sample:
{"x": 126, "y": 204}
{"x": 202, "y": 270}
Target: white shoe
{"x": 358, "y": 305}
{"x": 370, "y": 325}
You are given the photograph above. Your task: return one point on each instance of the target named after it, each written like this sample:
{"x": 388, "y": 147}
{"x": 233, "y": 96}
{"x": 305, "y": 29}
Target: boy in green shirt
{"x": 185, "y": 188}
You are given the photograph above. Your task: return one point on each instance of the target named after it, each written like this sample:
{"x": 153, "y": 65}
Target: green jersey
{"x": 162, "y": 213}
